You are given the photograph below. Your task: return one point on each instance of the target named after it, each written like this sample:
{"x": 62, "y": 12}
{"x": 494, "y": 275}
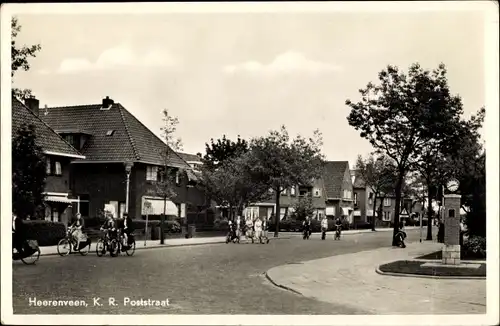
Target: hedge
{"x": 475, "y": 246}
{"x": 47, "y": 233}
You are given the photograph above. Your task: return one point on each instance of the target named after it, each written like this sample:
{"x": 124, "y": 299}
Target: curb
{"x": 281, "y": 286}
{"x": 430, "y": 276}
{"x": 169, "y": 246}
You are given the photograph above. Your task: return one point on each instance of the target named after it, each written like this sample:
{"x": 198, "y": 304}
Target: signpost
{"x": 420, "y": 218}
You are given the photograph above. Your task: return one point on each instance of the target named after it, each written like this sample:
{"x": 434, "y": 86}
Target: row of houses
{"x": 100, "y": 157}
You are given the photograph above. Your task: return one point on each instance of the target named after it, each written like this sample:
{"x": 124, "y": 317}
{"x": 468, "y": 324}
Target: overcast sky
{"x": 246, "y": 73}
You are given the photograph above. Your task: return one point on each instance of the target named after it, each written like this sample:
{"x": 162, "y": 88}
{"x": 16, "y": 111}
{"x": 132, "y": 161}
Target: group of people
{"x": 253, "y": 229}
{"x": 113, "y": 227}
{"x": 306, "y": 226}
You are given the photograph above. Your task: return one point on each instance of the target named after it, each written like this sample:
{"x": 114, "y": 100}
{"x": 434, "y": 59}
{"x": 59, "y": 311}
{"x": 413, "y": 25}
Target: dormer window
{"x": 110, "y": 133}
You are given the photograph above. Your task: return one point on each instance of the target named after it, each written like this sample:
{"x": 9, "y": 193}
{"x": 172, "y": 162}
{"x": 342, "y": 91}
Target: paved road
{"x": 209, "y": 279}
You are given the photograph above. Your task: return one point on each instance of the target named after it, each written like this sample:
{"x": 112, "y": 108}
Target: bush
{"x": 362, "y": 225}
{"x": 47, "y": 233}
{"x": 475, "y": 246}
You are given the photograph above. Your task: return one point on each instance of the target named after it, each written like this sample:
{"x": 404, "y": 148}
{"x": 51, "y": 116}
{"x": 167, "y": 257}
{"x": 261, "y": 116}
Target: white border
{"x": 490, "y": 10}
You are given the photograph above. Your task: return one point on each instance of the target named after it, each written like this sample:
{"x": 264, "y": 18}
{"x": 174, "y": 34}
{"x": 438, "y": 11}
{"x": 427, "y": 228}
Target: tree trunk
{"x": 399, "y": 185}
{"x": 429, "y": 212}
{"x": 374, "y": 212}
{"x": 162, "y": 221}
{"x": 278, "y": 212}
{"x": 230, "y": 214}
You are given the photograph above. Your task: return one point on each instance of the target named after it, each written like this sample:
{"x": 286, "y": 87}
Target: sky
{"x": 247, "y": 73}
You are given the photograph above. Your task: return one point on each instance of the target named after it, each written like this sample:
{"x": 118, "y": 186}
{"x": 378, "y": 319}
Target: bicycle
{"x": 129, "y": 248}
{"x": 337, "y": 233}
{"x": 66, "y": 245}
{"x": 31, "y": 252}
{"x": 105, "y": 244}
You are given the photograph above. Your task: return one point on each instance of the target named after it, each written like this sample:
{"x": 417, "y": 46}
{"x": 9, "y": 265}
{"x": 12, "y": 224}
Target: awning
{"x": 345, "y": 211}
{"x": 357, "y": 213}
{"x": 57, "y": 199}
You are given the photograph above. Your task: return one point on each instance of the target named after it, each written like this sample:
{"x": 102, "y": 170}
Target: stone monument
{"x": 451, "y": 210}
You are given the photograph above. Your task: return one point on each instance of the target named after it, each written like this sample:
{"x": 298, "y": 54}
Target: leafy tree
{"x": 303, "y": 207}
{"x": 223, "y": 149}
{"x": 232, "y": 184}
{"x": 280, "y": 163}
{"x": 401, "y": 114}
{"x": 378, "y": 174}
{"x": 19, "y": 57}
{"x": 28, "y": 172}
{"x": 167, "y": 175}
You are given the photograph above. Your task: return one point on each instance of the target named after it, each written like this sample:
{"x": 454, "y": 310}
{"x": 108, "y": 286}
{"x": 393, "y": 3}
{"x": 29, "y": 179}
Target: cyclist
{"x": 110, "y": 227}
{"x": 338, "y": 225}
{"x": 18, "y": 233}
{"x": 324, "y": 227}
{"x": 76, "y": 230}
{"x": 126, "y": 228}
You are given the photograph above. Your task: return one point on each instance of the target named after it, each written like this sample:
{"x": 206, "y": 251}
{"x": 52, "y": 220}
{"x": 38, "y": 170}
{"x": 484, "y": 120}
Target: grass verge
{"x": 415, "y": 267}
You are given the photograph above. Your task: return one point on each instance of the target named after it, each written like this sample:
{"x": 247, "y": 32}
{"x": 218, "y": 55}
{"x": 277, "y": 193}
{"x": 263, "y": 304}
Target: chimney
{"x": 33, "y": 104}
{"x": 107, "y": 102}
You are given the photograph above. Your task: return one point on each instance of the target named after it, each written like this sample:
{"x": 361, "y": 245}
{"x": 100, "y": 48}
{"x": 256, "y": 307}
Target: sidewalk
{"x": 351, "y": 280}
{"x": 350, "y": 232}
{"x": 150, "y": 244}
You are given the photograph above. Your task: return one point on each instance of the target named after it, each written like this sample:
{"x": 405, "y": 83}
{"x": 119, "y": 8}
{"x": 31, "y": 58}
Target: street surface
{"x": 206, "y": 279}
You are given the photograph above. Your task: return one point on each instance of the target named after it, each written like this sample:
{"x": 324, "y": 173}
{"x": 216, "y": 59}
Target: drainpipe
{"x": 128, "y": 170}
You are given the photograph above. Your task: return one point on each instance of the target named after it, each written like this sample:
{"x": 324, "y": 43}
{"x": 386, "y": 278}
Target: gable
{"x": 50, "y": 142}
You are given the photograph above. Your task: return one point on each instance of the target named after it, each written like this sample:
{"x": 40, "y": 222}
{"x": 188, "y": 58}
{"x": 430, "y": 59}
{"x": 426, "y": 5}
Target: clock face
{"x": 452, "y": 185}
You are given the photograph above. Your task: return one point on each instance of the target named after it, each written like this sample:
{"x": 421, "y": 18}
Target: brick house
{"x": 331, "y": 195}
{"x": 58, "y": 154}
{"x": 363, "y": 199}
{"x": 122, "y": 161}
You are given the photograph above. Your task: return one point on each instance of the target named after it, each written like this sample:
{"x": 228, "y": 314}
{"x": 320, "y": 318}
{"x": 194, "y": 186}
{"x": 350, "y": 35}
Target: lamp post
{"x": 128, "y": 170}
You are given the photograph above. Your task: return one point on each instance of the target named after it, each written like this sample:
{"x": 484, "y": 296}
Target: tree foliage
{"x": 402, "y": 113}
{"x": 28, "y": 172}
{"x": 280, "y": 162}
{"x": 166, "y": 183}
{"x": 233, "y": 184}
{"x": 378, "y": 174}
{"x": 217, "y": 152}
{"x": 303, "y": 207}
{"x": 20, "y": 56}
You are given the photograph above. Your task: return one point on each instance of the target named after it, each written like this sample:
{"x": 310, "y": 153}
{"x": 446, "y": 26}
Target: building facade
{"x": 59, "y": 154}
{"x": 331, "y": 196}
{"x": 123, "y": 159}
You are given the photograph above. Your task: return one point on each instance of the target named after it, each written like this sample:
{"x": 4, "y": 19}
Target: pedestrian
{"x": 324, "y": 227}
{"x": 238, "y": 226}
{"x": 258, "y": 229}
{"x": 462, "y": 232}
{"x": 265, "y": 229}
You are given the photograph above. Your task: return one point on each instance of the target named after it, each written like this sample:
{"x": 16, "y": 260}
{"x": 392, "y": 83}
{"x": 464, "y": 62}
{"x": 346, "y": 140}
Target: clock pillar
{"x": 451, "y": 249}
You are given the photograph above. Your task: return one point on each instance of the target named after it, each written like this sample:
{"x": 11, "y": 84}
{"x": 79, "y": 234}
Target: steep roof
{"x": 333, "y": 176}
{"x": 47, "y": 138}
{"x": 130, "y": 140}
{"x": 189, "y": 157}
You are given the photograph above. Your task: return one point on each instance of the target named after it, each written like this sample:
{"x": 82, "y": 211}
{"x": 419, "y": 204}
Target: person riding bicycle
{"x": 338, "y": 225}
{"x": 126, "y": 228}
{"x": 324, "y": 227}
{"x": 18, "y": 233}
{"x": 110, "y": 227}
{"x": 76, "y": 230}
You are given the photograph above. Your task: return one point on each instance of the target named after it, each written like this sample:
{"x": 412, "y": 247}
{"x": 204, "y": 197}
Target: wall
{"x": 101, "y": 182}
{"x": 139, "y": 187}
{"x": 59, "y": 183}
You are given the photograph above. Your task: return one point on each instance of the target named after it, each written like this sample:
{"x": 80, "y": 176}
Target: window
{"x": 110, "y": 132}
{"x": 177, "y": 178}
{"x": 57, "y": 168}
{"x": 303, "y": 192}
{"x": 292, "y": 191}
{"x": 386, "y": 216}
{"x": 151, "y": 173}
{"x": 370, "y": 198}
{"x": 317, "y": 192}
{"x": 355, "y": 198}
{"x": 387, "y": 202}
{"x": 282, "y": 213}
{"x": 55, "y": 215}
{"x": 48, "y": 170}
